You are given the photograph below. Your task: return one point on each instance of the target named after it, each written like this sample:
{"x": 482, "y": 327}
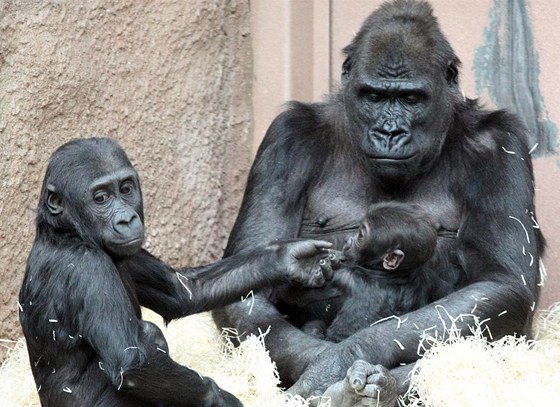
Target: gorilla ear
{"x": 392, "y": 260}
{"x": 54, "y": 201}
{"x": 347, "y": 64}
{"x": 452, "y": 74}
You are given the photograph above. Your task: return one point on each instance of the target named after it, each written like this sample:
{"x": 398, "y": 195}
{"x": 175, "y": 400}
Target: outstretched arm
{"x": 177, "y": 293}
{"x": 271, "y": 211}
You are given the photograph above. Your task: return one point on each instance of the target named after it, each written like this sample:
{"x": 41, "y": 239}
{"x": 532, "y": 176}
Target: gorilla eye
{"x": 415, "y": 97}
{"x": 101, "y": 197}
{"x": 373, "y": 95}
{"x": 376, "y": 97}
{"x": 411, "y": 99}
{"x": 126, "y": 188}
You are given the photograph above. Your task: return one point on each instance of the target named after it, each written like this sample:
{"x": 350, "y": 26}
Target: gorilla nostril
{"x": 398, "y": 132}
{"x": 121, "y": 224}
{"x": 388, "y": 133}
{"x": 126, "y": 218}
{"x": 395, "y": 132}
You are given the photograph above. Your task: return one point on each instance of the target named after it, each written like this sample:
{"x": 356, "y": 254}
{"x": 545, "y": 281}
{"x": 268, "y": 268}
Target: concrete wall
{"x": 283, "y": 71}
{"x": 171, "y": 81}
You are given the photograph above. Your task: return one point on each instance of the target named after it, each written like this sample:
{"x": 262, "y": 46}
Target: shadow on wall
{"x": 507, "y": 67}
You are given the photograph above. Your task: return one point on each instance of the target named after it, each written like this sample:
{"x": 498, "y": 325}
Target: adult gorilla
{"x": 397, "y": 130}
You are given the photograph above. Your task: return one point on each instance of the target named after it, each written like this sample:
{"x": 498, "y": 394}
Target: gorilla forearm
{"x": 179, "y": 292}
{"x": 495, "y": 307}
{"x": 397, "y": 340}
{"x": 175, "y": 293}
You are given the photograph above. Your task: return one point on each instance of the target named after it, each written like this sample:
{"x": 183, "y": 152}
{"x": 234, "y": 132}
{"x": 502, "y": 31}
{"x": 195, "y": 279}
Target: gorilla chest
{"x": 335, "y": 210}
{"x": 332, "y": 212}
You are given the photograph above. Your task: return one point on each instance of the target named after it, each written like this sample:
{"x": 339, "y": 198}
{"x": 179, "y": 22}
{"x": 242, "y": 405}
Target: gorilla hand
{"x": 303, "y": 260}
{"x": 328, "y": 368}
{"x": 331, "y": 262}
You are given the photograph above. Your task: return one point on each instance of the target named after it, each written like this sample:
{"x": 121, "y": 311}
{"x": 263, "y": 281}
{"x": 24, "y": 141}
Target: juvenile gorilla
{"x": 79, "y": 308}
{"x": 398, "y": 129}
{"x": 384, "y": 271}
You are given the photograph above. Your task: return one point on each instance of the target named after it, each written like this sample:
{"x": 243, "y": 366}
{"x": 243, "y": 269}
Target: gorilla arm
{"x": 499, "y": 246}
{"x": 130, "y": 352}
{"x": 177, "y": 293}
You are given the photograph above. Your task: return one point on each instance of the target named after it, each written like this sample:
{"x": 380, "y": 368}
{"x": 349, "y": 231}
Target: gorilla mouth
{"x": 391, "y": 158}
{"x": 129, "y": 243}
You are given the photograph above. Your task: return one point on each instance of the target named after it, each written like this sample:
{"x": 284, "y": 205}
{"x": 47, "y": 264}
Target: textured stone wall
{"x": 169, "y": 80}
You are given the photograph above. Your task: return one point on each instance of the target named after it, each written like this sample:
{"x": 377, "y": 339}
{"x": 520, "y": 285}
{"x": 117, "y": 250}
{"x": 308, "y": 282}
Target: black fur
{"x": 86, "y": 277}
{"x": 370, "y": 290}
{"x": 397, "y": 130}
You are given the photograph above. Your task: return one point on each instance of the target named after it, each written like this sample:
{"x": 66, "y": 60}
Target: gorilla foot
{"x": 364, "y": 385}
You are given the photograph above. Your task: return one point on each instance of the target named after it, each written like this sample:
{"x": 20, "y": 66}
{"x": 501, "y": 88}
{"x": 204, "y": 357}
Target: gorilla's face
{"x": 93, "y": 191}
{"x": 398, "y": 110}
{"x": 115, "y": 202}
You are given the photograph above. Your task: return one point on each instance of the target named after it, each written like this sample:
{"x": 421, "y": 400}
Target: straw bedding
{"x": 461, "y": 372}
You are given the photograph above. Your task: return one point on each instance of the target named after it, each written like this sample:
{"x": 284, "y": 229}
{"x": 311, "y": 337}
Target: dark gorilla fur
{"x": 386, "y": 272}
{"x": 80, "y": 305}
{"x": 399, "y": 130}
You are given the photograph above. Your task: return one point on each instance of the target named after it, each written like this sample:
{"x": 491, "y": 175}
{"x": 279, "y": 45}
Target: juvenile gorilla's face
{"x": 115, "y": 203}
{"x": 92, "y": 190}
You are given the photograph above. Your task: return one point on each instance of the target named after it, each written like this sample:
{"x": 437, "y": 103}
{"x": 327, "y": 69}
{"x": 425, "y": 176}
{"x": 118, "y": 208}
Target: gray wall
{"x": 169, "y": 80}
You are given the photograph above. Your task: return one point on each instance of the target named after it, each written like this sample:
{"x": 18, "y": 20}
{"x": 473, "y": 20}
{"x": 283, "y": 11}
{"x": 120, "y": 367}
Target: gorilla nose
{"x": 391, "y": 129}
{"x": 347, "y": 244}
{"x": 127, "y": 223}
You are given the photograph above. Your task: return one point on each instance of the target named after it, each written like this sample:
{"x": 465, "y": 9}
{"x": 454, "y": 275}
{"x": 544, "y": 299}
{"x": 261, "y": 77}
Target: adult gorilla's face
{"x": 398, "y": 110}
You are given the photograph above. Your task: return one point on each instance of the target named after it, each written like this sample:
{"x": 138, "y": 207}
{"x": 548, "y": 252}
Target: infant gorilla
{"x": 385, "y": 270}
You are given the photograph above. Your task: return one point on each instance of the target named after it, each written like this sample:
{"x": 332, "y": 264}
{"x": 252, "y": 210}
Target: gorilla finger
{"x": 371, "y": 391}
{"x": 309, "y": 248}
{"x": 326, "y": 268}
{"x": 380, "y": 379}
{"x": 379, "y": 374}
{"x": 322, "y": 244}
{"x": 357, "y": 375}
{"x": 336, "y": 257}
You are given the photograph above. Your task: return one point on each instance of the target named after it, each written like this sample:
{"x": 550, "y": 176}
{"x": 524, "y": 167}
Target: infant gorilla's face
{"x": 355, "y": 247}
{"x": 364, "y": 250}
